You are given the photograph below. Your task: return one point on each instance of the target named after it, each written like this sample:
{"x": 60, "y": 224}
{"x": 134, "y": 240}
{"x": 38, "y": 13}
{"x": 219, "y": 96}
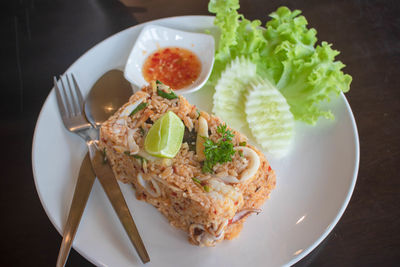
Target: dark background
{"x": 43, "y": 38}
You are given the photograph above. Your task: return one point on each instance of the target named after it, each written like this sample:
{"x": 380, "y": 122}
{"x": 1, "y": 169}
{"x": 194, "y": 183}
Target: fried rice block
{"x": 210, "y": 207}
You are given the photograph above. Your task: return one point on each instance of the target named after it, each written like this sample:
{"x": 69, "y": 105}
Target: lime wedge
{"x": 164, "y": 138}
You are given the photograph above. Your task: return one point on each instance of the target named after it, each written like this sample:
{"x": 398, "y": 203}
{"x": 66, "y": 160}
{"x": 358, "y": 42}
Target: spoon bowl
{"x": 108, "y": 94}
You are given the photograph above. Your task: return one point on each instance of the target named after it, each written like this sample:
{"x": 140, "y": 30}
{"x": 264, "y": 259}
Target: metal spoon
{"x": 108, "y": 94}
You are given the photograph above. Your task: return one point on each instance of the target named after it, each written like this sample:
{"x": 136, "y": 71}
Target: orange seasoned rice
{"x": 167, "y": 184}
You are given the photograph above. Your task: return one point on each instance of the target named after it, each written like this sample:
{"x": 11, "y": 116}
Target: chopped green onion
{"x": 139, "y": 157}
{"x": 139, "y": 107}
{"x": 166, "y": 95}
{"x": 206, "y": 188}
{"x": 240, "y": 153}
{"x": 104, "y": 156}
{"x": 136, "y": 157}
{"x": 196, "y": 180}
{"x": 242, "y": 144}
{"x": 170, "y": 95}
{"x": 142, "y": 131}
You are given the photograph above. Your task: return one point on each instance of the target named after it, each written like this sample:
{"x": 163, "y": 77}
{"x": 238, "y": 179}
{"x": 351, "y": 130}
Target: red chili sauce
{"x": 174, "y": 66}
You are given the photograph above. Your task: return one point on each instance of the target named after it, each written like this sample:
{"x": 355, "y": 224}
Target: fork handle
{"x": 83, "y": 187}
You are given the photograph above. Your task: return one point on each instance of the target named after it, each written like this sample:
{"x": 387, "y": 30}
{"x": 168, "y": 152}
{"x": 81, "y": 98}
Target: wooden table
{"x": 42, "y": 39}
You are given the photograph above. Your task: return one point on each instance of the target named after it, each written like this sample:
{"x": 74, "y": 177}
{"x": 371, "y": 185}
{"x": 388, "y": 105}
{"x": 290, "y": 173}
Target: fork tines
{"x": 69, "y": 100}
{"x": 70, "y": 103}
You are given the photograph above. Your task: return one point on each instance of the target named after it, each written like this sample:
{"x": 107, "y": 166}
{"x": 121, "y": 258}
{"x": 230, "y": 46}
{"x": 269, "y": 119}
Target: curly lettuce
{"x": 239, "y": 36}
{"x": 285, "y": 53}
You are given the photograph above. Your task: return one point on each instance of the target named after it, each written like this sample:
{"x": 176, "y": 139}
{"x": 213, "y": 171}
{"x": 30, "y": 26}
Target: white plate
{"x": 153, "y": 37}
{"x": 314, "y": 183}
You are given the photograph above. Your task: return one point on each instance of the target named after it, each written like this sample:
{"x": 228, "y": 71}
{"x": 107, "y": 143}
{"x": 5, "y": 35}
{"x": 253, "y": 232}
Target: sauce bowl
{"x": 154, "y": 37}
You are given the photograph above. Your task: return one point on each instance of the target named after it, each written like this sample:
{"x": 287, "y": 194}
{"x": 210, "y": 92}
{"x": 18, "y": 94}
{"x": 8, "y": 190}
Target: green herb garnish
{"x": 196, "y": 180}
{"x": 170, "y": 95}
{"x": 224, "y": 132}
{"x": 140, "y": 157}
{"x": 104, "y": 156}
{"x": 242, "y": 144}
{"x": 240, "y": 153}
{"x": 142, "y": 131}
{"x": 220, "y": 151}
{"x": 142, "y": 160}
{"x": 205, "y": 187}
{"x": 139, "y": 107}
{"x": 166, "y": 95}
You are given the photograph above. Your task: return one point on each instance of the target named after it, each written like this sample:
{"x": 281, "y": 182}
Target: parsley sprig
{"x": 220, "y": 151}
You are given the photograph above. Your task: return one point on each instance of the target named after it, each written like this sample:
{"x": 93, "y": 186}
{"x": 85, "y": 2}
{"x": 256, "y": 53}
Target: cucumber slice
{"x": 230, "y": 90}
{"x": 268, "y": 116}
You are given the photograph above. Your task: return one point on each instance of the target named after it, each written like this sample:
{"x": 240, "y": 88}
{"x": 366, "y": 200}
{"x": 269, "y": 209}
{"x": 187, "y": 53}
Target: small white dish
{"x": 154, "y": 37}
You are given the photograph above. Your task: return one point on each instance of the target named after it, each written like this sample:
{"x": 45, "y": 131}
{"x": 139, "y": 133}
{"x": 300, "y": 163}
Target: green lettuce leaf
{"x": 239, "y": 36}
{"x": 304, "y": 73}
{"x": 285, "y": 53}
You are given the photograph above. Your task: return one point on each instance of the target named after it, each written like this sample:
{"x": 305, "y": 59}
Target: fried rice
{"x": 208, "y": 206}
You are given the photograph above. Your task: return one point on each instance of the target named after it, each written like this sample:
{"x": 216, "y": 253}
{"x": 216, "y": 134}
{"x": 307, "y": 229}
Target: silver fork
{"x": 70, "y": 103}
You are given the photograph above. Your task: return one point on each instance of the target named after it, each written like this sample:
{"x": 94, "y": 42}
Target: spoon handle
{"x": 83, "y": 187}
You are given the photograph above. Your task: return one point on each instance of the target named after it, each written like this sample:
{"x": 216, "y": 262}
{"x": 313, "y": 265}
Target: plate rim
{"x": 349, "y": 194}
{"x": 295, "y": 259}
